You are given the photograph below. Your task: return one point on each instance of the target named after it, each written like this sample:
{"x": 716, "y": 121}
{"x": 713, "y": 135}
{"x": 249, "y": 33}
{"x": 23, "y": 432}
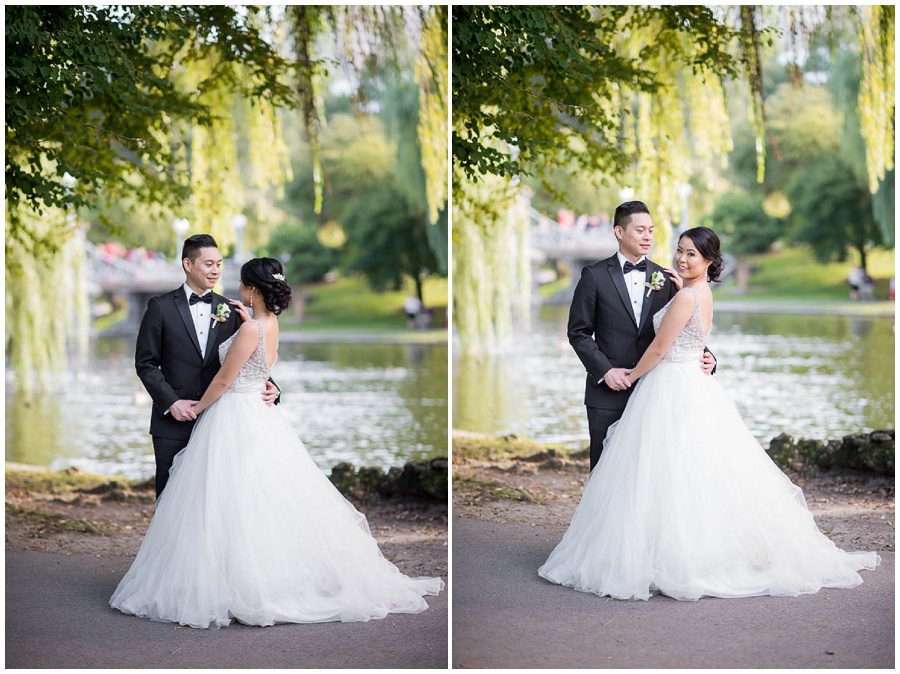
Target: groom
{"x": 610, "y": 320}
{"x": 177, "y": 351}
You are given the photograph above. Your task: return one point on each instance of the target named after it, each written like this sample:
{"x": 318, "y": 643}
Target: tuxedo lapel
{"x": 184, "y": 310}
{"x": 648, "y": 301}
{"x": 212, "y": 343}
{"x": 618, "y": 279}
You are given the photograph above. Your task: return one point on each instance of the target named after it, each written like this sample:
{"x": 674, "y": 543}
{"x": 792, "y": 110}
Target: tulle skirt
{"x": 249, "y": 528}
{"x": 685, "y": 502}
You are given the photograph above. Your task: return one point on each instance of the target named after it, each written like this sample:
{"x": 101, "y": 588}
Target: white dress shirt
{"x": 201, "y": 312}
{"x": 634, "y": 282}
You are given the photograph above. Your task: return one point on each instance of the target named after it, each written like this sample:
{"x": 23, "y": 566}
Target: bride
{"x": 248, "y": 528}
{"x": 683, "y": 500}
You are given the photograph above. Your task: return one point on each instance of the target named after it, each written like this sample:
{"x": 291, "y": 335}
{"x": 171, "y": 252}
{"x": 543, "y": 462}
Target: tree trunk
{"x": 299, "y": 300}
{"x": 861, "y": 247}
{"x": 743, "y": 275}
{"x": 418, "y": 279}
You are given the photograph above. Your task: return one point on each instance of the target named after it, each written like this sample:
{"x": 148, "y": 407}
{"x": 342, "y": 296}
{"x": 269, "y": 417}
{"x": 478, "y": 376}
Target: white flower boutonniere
{"x": 657, "y": 281}
{"x": 223, "y": 312}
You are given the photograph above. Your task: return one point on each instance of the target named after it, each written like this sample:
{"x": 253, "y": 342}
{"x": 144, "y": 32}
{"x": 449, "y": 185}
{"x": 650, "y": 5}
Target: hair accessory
{"x": 280, "y": 277}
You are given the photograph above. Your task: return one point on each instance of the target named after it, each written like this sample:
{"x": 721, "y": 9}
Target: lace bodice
{"x": 690, "y": 342}
{"x": 254, "y": 373}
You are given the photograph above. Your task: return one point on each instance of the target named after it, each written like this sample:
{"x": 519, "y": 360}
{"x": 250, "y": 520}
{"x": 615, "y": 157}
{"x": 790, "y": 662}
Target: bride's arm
{"x": 238, "y": 353}
{"x": 672, "y": 324}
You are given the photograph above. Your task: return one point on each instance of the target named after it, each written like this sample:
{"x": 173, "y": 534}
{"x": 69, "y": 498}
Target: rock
{"x": 553, "y": 463}
{"x": 416, "y": 479}
{"x": 104, "y": 488}
{"x": 871, "y": 452}
{"x": 116, "y": 495}
{"x": 343, "y": 476}
{"x": 540, "y": 456}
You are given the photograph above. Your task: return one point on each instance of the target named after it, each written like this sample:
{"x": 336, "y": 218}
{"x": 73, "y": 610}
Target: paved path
{"x": 57, "y": 616}
{"x": 504, "y": 615}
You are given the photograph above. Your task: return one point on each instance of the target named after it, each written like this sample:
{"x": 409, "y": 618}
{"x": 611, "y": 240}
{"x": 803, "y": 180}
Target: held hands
{"x": 617, "y": 378}
{"x": 707, "y": 363}
{"x": 184, "y": 410}
{"x": 676, "y": 279}
{"x": 270, "y": 394}
{"x": 241, "y": 309}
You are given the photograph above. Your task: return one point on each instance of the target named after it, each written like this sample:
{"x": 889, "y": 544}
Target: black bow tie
{"x": 640, "y": 266}
{"x": 200, "y": 298}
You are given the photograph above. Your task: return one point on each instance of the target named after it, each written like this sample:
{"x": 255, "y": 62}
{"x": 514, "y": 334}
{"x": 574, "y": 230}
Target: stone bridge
{"x": 138, "y": 278}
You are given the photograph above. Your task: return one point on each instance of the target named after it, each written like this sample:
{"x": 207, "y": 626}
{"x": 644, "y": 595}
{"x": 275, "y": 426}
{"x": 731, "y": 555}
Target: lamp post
{"x": 684, "y": 191}
{"x": 68, "y": 181}
{"x": 181, "y": 227}
{"x": 626, "y": 194}
{"x": 239, "y": 222}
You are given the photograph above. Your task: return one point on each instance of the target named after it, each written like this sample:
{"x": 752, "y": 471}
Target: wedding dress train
{"x": 685, "y": 502}
{"x": 249, "y": 528}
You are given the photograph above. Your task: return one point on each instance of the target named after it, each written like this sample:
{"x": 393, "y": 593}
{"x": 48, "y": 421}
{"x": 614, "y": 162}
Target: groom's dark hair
{"x": 625, "y": 211}
{"x": 193, "y": 244}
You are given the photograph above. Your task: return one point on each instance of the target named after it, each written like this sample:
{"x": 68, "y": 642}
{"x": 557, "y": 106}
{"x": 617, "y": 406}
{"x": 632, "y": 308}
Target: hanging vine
{"x": 750, "y": 47}
{"x": 431, "y": 76}
{"x": 876, "y": 92}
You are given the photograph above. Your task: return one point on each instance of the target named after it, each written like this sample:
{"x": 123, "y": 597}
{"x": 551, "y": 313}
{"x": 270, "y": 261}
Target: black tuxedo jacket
{"x": 168, "y": 361}
{"x": 602, "y": 329}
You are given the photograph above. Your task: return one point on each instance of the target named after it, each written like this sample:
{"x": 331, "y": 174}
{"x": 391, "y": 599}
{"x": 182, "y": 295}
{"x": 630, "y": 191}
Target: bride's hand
{"x": 241, "y": 309}
{"x": 676, "y": 279}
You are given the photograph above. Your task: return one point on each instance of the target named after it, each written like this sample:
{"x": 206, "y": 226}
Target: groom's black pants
{"x": 599, "y": 422}
{"x": 165, "y": 450}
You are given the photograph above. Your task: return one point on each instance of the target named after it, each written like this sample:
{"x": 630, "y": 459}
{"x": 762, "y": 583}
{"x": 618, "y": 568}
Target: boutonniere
{"x": 223, "y": 312}
{"x": 657, "y": 281}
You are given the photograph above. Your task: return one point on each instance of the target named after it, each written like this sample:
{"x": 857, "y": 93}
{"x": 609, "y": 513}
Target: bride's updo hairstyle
{"x": 267, "y": 275}
{"x": 707, "y": 243}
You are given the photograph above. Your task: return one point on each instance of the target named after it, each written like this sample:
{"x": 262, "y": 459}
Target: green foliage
{"x": 739, "y": 218}
{"x": 89, "y": 91}
{"x": 832, "y": 212}
{"x": 876, "y": 94}
{"x": 386, "y": 239}
{"x": 309, "y": 260}
{"x": 528, "y": 80}
{"x": 375, "y": 192}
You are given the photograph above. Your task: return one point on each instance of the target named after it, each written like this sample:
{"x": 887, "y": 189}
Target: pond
{"x": 812, "y": 376}
{"x": 369, "y": 404}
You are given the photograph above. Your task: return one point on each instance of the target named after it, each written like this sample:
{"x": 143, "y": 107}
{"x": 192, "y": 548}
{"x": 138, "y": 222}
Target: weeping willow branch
{"x": 431, "y": 76}
{"x": 750, "y": 45}
{"x": 876, "y": 92}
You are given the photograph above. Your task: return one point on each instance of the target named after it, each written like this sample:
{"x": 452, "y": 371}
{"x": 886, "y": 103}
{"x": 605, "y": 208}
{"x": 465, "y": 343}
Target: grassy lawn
{"x": 349, "y": 303}
{"x": 794, "y": 274}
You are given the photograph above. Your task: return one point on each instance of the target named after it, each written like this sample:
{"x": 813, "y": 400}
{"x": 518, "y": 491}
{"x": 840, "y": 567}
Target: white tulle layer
{"x": 685, "y": 502}
{"x": 249, "y": 528}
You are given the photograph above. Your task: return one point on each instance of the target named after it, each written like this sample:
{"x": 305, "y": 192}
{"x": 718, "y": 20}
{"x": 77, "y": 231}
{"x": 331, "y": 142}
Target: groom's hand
{"x": 183, "y": 410}
{"x": 707, "y": 363}
{"x": 617, "y": 378}
{"x": 270, "y": 393}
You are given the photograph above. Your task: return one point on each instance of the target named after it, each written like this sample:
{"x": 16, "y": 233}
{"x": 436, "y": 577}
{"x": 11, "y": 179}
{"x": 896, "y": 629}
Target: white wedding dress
{"x": 685, "y": 502}
{"x": 249, "y": 528}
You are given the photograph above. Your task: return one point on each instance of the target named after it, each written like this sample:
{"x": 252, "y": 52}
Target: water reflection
{"x": 371, "y": 404}
{"x": 813, "y": 376}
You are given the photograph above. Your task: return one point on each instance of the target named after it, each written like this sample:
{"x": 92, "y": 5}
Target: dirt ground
{"x": 855, "y": 510}
{"x": 108, "y": 519}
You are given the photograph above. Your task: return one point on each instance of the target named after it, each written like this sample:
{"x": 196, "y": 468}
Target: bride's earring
{"x": 251, "y": 301}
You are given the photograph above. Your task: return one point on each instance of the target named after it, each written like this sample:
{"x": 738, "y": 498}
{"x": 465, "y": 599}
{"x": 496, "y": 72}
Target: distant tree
{"x": 745, "y": 228}
{"x": 832, "y": 212}
{"x": 306, "y": 260}
{"x": 387, "y": 239}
